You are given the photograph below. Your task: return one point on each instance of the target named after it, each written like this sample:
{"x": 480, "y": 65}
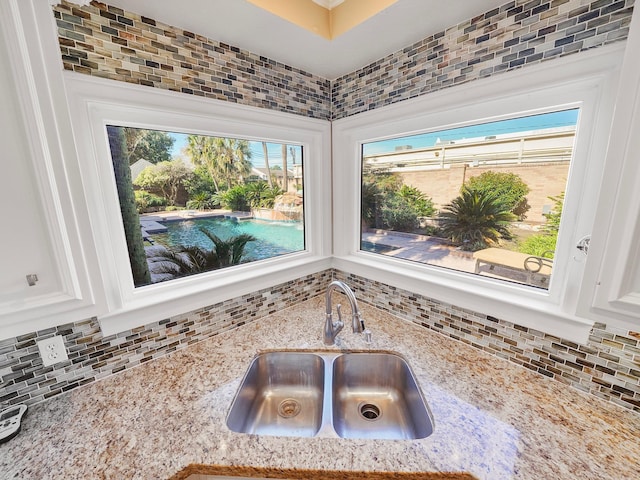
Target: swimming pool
{"x": 272, "y": 238}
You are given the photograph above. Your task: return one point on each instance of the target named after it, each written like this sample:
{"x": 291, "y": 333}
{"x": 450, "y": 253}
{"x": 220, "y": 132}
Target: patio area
{"x": 435, "y": 251}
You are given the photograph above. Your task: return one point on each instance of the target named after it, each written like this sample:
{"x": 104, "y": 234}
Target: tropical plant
{"x": 130, "y": 218}
{"x": 146, "y": 200}
{"x": 476, "y": 219}
{"x": 201, "y": 201}
{"x": 235, "y": 199}
{"x": 165, "y": 177}
{"x": 189, "y": 260}
{"x": 152, "y": 145}
{"x": 508, "y": 187}
{"x": 226, "y": 159}
{"x": 260, "y": 195}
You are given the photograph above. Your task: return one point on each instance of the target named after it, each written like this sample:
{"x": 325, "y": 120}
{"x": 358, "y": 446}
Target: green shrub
{"x": 539, "y": 245}
{"x": 422, "y": 204}
{"x": 398, "y": 215}
{"x": 202, "y": 201}
{"x": 508, "y": 188}
{"x": 236, "y": 199}
{"x": 146, "y": 200}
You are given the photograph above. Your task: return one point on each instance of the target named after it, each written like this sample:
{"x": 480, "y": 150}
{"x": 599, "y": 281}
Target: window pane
{"x": 484, "y": 199}
{"x": 191, "y": 203}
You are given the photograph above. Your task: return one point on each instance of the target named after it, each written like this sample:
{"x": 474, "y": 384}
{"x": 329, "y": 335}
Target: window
{"x": 484, "y": 199}
{"x": 403, "y": 189}
{"x": 297, "y": 201}
{"x": 191, "y": 204}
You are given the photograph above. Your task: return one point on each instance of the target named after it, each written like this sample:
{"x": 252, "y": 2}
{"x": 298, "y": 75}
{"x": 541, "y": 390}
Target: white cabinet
{"x": 39, "y": 234}
{"x": 615, "y": 245}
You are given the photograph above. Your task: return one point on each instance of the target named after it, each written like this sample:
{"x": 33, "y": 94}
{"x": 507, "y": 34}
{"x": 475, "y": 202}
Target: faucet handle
{"x": 339, "y": 309}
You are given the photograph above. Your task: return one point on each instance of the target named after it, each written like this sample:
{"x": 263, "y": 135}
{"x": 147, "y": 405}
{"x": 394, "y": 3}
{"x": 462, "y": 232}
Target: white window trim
{"x": 95, "y": 103}
{"x": 589, "y": 81}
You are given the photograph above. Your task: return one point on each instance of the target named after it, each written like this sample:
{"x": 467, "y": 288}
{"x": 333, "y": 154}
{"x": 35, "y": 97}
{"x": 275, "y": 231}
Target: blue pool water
{"x": 272, "y": 238}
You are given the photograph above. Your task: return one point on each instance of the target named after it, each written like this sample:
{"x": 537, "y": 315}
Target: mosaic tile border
{"x": 93, "y": 356}
{"x": 608, "y": 366}
{"x": 105, "y": 41}
{"x": 517, "y": 34}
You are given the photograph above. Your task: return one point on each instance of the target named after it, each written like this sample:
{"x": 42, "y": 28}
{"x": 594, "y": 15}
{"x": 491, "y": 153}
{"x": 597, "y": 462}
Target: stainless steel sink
{"x": 375, "y": 395}
{"x": 351, "y": 395}
{"x": 281, "y": 394}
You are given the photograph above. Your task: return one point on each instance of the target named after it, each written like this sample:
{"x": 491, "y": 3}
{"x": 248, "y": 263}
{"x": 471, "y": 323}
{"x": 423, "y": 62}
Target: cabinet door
{"x": 618, "y": 281}
{"x": 39, "y": 234}
{"x": 24, "y": 242}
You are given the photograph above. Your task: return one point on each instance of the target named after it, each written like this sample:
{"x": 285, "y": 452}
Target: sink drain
{"x": 289, "y": 408}
{"x": 369, "y": 411}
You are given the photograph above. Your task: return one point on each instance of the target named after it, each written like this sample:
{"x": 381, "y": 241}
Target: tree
{"x": 152, "y": 145}
{"x": 130, "y": 218}
{"x": 165, "y": 177}
{"x": 227, "y": 160}
{"x": 476, "y": 220}
{"x": 509, "y": 188}
{"x": 266, "y": 163}
{"x": 285, "y": 172}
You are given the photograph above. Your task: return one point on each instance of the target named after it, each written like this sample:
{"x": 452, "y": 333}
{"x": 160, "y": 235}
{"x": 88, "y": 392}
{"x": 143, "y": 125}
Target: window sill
{"x": 150, "y": 304}
{"x": 521, "y": 305}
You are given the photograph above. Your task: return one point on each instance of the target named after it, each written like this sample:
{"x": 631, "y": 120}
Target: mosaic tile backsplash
{"x": 608, "y": 366}
{"x": 93, "y": 356}
{"x": 105, "y": 41}
{"x": 519, "y": 33}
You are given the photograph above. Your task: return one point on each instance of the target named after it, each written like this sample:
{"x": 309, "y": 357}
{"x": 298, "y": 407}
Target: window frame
{"x": 96, "y": 103}
{"x": 588, "y": 81}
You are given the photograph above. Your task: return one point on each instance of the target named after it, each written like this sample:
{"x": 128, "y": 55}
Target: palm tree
{"x": 201, "y": 151}
{"x": 266, "y": 163}
{"x": 130, "y": 218}
{"x": 189, "y": 260}
{"x": 476, "y": 220}
{"x": 285, "y": 176}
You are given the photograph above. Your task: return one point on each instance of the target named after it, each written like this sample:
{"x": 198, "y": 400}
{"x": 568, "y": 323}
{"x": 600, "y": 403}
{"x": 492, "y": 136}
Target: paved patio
{"x": 433, "y": 251}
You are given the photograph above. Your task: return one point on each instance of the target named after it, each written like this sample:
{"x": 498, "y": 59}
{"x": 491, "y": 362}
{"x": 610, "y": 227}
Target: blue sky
{"x": 534, "y": 122}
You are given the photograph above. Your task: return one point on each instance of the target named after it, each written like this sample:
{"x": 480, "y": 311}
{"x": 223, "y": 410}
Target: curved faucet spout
{"x": 332, "y": 329}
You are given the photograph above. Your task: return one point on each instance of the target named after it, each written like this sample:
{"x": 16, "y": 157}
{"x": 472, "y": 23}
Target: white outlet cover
{"x": 52, "y": 351}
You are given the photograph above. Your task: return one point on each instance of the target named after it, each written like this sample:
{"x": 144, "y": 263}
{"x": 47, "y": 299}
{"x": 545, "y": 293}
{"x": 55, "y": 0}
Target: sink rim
{"x": 328, "y": 357}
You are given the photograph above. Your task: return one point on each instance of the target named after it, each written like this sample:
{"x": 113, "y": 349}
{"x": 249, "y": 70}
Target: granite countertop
{"x": 166, "y": 418}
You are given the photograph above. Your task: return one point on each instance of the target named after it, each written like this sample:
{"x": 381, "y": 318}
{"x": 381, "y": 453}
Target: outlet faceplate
{"x": 52, "y": 351}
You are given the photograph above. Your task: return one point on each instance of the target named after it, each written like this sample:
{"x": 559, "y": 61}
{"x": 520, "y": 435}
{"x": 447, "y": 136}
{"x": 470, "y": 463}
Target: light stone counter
{"x": 493, "y": 419}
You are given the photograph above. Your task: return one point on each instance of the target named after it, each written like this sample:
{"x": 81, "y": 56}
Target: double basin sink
{"x": 372, "y": 395}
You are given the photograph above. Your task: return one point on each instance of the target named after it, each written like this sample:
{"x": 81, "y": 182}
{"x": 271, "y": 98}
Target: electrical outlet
{"x": 52, "y": 351}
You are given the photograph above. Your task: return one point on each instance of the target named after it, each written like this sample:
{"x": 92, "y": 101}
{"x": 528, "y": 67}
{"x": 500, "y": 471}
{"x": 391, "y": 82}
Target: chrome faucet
{"x": 332, "y": 329}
